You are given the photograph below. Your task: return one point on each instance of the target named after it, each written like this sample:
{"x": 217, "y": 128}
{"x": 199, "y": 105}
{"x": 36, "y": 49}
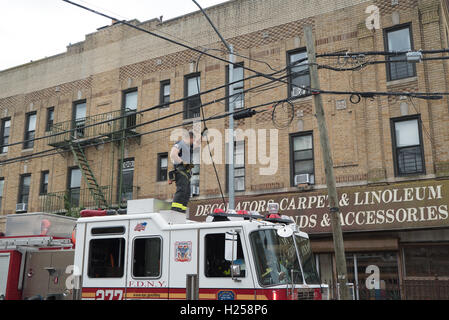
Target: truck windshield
{"x": 307, "y": 260}
{"x": 275, "y": 258}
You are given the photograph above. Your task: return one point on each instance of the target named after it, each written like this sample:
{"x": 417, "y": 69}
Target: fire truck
{"x": 153, "y": 253}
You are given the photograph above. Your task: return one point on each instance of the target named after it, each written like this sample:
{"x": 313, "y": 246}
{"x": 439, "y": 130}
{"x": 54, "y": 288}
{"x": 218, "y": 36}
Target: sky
{"x": 35, "y": 29}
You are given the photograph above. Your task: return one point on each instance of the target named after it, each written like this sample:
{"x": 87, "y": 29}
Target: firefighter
{"x": 182, "y": 158}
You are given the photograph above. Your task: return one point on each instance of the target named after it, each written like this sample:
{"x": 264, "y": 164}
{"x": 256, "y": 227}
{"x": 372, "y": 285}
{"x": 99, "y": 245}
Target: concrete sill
{"x": 401, "y": 81}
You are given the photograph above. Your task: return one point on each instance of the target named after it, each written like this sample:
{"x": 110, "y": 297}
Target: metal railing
{"x": 408, "y": 290}
{"x": 65, "y": 201}
{"x": 61, "y": 132}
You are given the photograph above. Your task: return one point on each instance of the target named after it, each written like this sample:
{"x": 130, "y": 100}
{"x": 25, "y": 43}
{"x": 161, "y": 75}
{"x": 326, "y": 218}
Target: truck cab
{"x": 153, "y": 253}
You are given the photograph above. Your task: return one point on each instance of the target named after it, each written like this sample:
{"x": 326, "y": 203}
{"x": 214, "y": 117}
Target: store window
{"x": 426, "y": 261}
{"x": 360, "y": 266}
{"x": 147, "y": 258}
{"x": 106, "y": 258}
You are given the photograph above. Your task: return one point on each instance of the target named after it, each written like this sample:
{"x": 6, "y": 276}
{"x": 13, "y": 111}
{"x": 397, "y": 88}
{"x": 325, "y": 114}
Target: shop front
{"x": 396, "y": 236}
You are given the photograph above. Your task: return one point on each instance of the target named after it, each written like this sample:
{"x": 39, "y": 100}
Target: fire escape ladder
{"x": 88, "y": 175}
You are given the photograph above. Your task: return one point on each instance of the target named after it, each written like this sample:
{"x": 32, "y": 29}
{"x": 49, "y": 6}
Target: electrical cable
{"x": 215, "y": 117}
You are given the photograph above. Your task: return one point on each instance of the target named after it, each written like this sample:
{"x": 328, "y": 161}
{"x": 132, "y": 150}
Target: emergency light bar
{"x": 221, "y": 215}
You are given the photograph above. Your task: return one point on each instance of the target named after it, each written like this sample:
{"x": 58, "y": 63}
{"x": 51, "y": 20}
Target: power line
{"x": 216, "y": 117}
{"x": 159, "y": 106}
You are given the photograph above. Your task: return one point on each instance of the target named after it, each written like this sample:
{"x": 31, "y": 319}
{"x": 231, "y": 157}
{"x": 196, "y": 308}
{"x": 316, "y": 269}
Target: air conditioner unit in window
{"x": 21, "y": 207}
{"x": 303, "y": 179}
{"x": 299, "y": 92}
{"x": 195, "y": 190}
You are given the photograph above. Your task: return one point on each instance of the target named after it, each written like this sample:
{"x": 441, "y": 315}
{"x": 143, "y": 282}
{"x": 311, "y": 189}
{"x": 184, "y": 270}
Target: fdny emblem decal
{"x": 183, "y": 251}
{"x": 141, "y": 227}
{"x": 226, "y": 295}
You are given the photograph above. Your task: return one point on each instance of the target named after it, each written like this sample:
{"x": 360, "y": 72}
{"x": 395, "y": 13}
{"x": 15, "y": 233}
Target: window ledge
{"x": 402, "y": 81}
{"x": 191, "y": 120}
{"x": 299, "y": 100}
{"x": 27, "y": 150}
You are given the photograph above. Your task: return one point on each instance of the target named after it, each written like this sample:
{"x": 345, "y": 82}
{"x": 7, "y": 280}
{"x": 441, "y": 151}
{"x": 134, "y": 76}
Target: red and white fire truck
{"x": 154, "y": 253}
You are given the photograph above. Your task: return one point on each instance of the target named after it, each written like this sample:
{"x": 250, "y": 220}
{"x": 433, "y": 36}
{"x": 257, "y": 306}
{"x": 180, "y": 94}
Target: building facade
{"x": 391, "y": 154}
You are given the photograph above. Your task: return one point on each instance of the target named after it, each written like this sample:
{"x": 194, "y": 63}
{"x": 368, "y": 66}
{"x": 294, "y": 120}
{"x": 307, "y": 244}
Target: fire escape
{"x": 75, "y": 137}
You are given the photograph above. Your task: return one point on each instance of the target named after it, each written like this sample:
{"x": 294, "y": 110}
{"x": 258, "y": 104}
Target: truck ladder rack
{"x": 36, "y": 242}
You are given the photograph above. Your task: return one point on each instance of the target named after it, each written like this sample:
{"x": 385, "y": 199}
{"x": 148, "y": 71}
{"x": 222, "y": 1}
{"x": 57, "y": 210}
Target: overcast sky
{"x": 34, "y": 29}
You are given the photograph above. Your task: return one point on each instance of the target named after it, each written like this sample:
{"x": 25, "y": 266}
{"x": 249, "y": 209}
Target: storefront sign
{"x": 392, "y": 207}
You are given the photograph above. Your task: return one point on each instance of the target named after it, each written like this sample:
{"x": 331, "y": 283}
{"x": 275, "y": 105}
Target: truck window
{"x": 106, "y": 258}
{"x": 108, "y": 231}
{"x": 147, "y": 258}
{"x": 216, "y": 265}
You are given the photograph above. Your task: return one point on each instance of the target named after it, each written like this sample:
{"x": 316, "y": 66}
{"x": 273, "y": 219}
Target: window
{"x": 162, "y": 167}
{"x": 2, "y": 186}
{"x": 106, "y": 258}
{"x": 74, "y": 191}
{"x": 302, "y": 159}
{"x": 165, "y": 92}
{"x": 216, "y": 264}
{"x": 274, "y": 256}
{"x": 79, "y": 119}
{"x": 24, "y": 188}
{"x": 6, "y": 130}
{"x": 50, "y": 119}
{"x": 195, "y": 180}
{"x": 147, "y": 258}
{"x": 407, "y": 143}
{"x": 44, "y": 183}
{"x": 426, "y": 261}
{"x": 193, "y": 103}
{"x": 130, "y": 99}
{"x": 30, "y": 130}
{"x": 238, "y": 101}
{"x": 399, "y": 39}
{"x": 127, "y": 180}
{"x": 239, "y": 167}
{"x": 298, "y": 73}
{"x": 108, "y": 231}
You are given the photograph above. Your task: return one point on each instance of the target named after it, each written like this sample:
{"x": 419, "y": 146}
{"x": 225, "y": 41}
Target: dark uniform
{"x": 182, "y": 175}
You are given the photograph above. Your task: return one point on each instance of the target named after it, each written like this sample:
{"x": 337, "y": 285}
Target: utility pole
{"x": 337, "y": 233}
{"x": 231, "y": 204}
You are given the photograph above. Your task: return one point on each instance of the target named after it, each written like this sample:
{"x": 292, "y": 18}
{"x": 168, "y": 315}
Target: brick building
{"x": 391, "y": 154}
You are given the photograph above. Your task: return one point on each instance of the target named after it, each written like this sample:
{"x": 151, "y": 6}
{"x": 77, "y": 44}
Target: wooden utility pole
{"x": 337, "y": 233}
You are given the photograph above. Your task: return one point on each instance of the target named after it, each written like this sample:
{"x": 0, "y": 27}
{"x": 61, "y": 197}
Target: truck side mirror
{"x": 235, "y": 270}
{"x": 231, "y": 246}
